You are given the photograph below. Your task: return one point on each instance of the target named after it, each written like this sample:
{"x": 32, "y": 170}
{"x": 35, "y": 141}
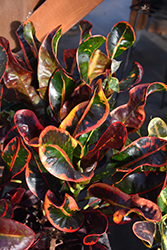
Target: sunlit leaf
{"x": 134, "y": 77}
{"x": 84, "y": 53}
{"x": 158, "y": 128}
{"x": 48, "y": 61}
{"x": 60, "y": 88}
{"x": 120, "y": 38}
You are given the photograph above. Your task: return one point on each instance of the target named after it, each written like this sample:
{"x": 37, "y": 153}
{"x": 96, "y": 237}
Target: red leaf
{"x": 28, "y": 126}
{"x": 14, "y": 235}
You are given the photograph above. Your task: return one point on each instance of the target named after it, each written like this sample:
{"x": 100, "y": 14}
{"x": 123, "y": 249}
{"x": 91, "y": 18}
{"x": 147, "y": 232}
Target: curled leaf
{"x": 65, "y": 217}
{"x": 145, "y": 231}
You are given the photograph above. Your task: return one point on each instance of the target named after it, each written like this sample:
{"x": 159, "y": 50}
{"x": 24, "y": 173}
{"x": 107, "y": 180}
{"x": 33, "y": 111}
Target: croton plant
{"x": 69, "y": 168}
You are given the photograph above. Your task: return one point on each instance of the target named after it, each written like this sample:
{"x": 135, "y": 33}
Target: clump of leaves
{"x": 63, "y": 132}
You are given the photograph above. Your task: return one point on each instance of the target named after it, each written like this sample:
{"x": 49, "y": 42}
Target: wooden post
{"x": 46, "y": 17}
{"x": 66, "y": 13}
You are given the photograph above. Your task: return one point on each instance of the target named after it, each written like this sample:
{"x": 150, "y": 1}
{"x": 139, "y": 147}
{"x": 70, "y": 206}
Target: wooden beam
{"x": 67, "y": 13}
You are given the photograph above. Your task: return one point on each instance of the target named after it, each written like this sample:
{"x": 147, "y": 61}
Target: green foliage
{"x": 63, "y": 134}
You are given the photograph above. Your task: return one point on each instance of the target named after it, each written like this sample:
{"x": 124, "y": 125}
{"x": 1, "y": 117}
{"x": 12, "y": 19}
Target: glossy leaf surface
{"x": 81, "y": 94}
{"x": 14, "y": 235}
{"x": 163, "y": 232}
{"x": 69, "y": 56}
{"x": 146, "y": 184}
{"x": 60, "y": 88}
{"x": 120, "y": 38}
{"x": 29, "y": 44}
{"x": 94, "y": 229}
{"x": 16, "y": 195}
{"x": 56, "y": 152}
{"x": 158, "y": 128}
{"x": 20, "y": 79}
{"x": 132, "y": 114}
{"x": 88, "y": 115}
{"x": 99, "y": 62}
{"x": 39, "y": 180}
{"x": 16, "y": 157}
{"x": 145, "y": 231}
{"x": 85, "y": 28}
{"x": 150, "y": 151}
{"x": 162, "y": 200}
{"x": 114, "y": 137}
{"x": 65, "y": 217}
{"x": 3, "y": 61}
{"x": 124, "y": 204}
{"x": 48, "y": 62}
{"x": 134, "y": 77}
{"x": 28, "y": 126}
{"x": 84, "y": 53}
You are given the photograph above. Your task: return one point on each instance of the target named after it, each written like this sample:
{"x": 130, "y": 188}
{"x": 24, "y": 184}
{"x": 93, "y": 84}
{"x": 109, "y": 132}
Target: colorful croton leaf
{"x": 66, "y": 216}
{"x": 134, "y": 77}
{"x": 124, "y": 204}
{"x": 14, "y": 235}
{"x": 20, "y": 79}
{"x": 85, "y": 28}
{"x": 132, "y": 114}
{"x": 28, "y": 126}
{"x": 3, "y": 61}
{"x": 88, "y": 115}
{"x": 158, "y": 128}
{"x": 162, "y": 200}
{"x": 93, "y": 229}
{"x": 147, "y": 184}
{"x": 48, "y": 62}
{"x": 61, "y": 87}
{"x": 84, "y": 53}
{"x": 146, "y": 231}
{"x": 57, "y": 149}
{"x": 39, "y": 180}
{"x": 163, "y": 232}
{"x": 6, "y": 210}
{"x": 16, "y": 157}
{"x": 120, "y": 38}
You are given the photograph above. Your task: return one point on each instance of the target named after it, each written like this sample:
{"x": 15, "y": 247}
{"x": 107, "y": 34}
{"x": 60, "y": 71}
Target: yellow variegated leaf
{"x": 163, "y": 232}
{"x": 158, "y": 128}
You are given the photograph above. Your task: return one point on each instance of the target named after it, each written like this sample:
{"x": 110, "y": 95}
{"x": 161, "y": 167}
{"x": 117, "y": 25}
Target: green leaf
{"x": 163, "y": 232}
{"x": 120, "y": 38}
{"x": 84, "y": 53}
{"x": 65, "y": 217}
{"x": 60, "y": 88}
{"x": 16, "y": 157}
{"x": 48, "y": 61}
{"x": 134, "y": 77}
{"x": 56, "y": 151}
{"x": 14, "y": 235}
{"x": 3, "y": 61}
{"x": 87, "y": 116}
{"x": 162, "y": 200}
